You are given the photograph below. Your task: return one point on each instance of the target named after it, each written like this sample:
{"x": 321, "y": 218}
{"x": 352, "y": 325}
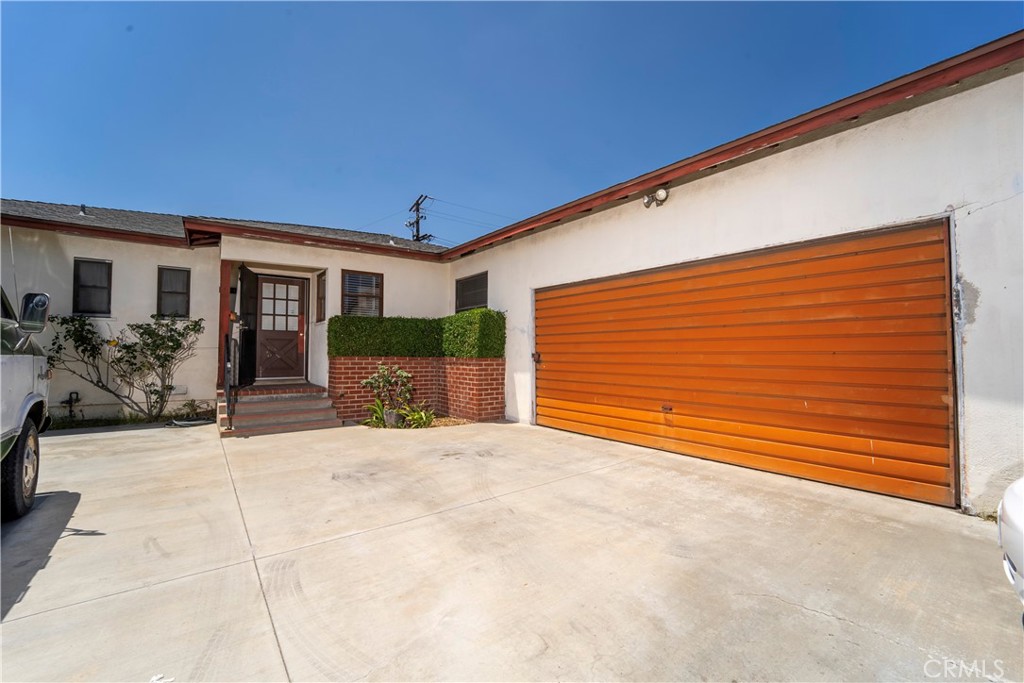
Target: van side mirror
{"x": 34, "y": 309}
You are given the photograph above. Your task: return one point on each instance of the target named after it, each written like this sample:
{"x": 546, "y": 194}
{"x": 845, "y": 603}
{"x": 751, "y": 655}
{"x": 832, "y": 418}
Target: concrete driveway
{"x": 482, "y": 552}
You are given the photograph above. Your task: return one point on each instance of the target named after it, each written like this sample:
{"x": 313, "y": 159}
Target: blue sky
{"x": 340, "y": 114}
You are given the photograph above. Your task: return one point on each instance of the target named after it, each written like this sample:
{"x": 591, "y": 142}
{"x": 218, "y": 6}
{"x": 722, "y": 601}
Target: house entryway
{"x": 280, "y": 337}
{"x": 271, "y": 394}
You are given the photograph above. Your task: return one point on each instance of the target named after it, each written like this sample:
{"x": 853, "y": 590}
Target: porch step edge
{"x": 267, "y": 407}
{"x": 285, "y": 428}
{"x": 281, "y": 417}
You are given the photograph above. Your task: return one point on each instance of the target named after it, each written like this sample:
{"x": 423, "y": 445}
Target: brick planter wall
{"x": 470, "y": 388}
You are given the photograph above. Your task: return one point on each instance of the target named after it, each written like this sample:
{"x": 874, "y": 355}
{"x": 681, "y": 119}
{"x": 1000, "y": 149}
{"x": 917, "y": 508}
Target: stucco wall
{"x": 958, "y": 156}
{"x": 411, "y": 288}
{"x": 44, "y": 261}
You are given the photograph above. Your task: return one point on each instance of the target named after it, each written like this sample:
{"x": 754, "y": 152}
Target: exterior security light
{"x": 658, "y": 197}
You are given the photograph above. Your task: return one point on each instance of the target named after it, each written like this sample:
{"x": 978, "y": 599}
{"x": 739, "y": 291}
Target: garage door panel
{"x": 799, "y": 328}
{"x": 675, "y": 340}
{"x": 939, "y": 494}
{"x": 864, "y": 245}
{"x": 781, "y": 275}
{"x": 829, "y": 360}
{"x": 931, "y": 306}
{"x": 694, "y": 439}
{"x": 922, "y": 274}
{"x": 883, "y": 395}
{"x": 917, "y": 434}
{"x": 808, "y": 411}
{"x": 873, "y": 447}
{"x": 853, "y": 377}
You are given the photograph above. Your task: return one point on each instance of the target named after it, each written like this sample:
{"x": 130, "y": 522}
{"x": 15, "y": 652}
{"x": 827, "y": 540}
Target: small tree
{"x": 136, "y": 367}
{"x": 391, "y": 385}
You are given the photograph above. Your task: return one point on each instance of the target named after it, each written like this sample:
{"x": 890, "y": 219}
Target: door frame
{"x": 303, "y": 330}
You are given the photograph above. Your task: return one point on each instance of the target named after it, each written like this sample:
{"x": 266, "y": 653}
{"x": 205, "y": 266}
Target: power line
{"x": 434, "y": 212}
{"x": 463, "y": 221}
{"x": 463, "y": 206}
{"x": 390, "y": 215}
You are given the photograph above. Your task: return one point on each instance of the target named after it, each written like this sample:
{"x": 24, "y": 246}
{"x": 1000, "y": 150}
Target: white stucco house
{"x": 837, "y": 297}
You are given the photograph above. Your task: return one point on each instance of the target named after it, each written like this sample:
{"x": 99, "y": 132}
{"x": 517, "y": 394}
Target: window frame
{"x": 379, "y": 297}
{"x": 487, "y": 291}
{"x": 321, "y": 296}
{"x": 76, "y": 285}
{"x": 160, "y": 292}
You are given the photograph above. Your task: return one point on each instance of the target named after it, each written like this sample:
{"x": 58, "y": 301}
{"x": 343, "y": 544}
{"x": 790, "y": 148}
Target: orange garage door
{"x": 829, "y": 360}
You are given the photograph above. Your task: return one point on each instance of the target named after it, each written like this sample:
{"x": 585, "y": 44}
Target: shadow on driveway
{"x": 26, "y": 543}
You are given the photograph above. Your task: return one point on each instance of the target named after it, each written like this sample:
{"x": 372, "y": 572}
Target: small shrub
{"x": 418, "y": 417}
{"x": 477, "y": 333}
{"x": 193, "y": 410}
{"x": 376, "y": 418}
{"x": 136, "y": 367}
{"x": 392, "y": 390}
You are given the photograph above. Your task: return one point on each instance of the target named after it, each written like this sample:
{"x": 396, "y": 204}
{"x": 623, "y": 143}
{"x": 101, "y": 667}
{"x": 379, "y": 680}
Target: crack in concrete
{"x": 255, "y": 564}
{"x": 873, "y": 631}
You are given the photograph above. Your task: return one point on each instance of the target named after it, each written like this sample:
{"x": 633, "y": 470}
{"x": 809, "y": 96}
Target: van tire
{"x": 19, "y": 472}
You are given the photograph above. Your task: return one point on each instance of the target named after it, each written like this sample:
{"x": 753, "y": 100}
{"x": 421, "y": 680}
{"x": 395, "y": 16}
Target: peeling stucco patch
{"x": 970, "y": 295}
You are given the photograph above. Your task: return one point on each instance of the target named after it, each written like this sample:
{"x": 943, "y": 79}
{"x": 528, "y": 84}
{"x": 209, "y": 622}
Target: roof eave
{"x": 948, "y": 72}
{"x": 234, "y": 230}
{"x": 90, "y": 231}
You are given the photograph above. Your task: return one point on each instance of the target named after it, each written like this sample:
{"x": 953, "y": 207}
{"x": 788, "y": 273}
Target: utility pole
{"x": 414, "y": 223}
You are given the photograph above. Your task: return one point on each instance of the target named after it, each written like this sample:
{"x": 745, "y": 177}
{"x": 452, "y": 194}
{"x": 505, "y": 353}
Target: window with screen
{"x": 362, "y": 293}
{"x": 321, "y": 296}
{"x": 91, "y": 290}
{"x": 173, "y": 288}
{"x": 471, "y": 292}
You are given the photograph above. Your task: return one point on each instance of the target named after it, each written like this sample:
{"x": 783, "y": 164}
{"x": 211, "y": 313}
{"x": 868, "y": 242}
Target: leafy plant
{"x": 376, "y": 418}
{"x": 137, "y": 366}
{"x": 193, "y": 410}
{"x": 390, "y": 385}
{"x": 418, "y": 417}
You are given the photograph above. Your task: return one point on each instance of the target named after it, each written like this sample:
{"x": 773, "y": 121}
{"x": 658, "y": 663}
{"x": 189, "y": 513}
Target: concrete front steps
{"x": 277, "y": 409}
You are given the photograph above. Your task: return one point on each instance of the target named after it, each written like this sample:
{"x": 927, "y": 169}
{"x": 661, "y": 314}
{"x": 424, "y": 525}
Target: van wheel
{"x": 20, "y": 473}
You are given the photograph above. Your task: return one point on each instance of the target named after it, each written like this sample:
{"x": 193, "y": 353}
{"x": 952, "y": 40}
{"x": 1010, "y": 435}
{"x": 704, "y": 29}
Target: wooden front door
{"x": 281, "y": 339}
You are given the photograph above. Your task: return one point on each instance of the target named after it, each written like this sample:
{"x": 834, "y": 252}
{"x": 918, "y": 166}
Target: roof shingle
{"x": 166, "y": 225}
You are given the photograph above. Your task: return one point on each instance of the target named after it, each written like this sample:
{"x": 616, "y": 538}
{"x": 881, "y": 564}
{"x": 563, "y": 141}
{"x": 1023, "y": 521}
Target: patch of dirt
{"x": 449, "y": 422}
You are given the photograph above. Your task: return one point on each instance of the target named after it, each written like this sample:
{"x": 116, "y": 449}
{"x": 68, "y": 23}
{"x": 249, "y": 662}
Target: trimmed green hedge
{"x": 351, "y": 335}
{"x": 479, "y": 333}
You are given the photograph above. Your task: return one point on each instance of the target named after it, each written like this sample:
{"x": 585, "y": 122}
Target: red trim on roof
{"x": 949, "y": 72}
{"x": 89, "y": 231}
{"x": 306, "y": 240}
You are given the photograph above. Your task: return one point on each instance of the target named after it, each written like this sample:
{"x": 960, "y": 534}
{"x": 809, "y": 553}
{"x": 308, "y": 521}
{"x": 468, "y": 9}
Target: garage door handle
{"x": 666, "y": 409}
{"x": 536, "y": 356}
